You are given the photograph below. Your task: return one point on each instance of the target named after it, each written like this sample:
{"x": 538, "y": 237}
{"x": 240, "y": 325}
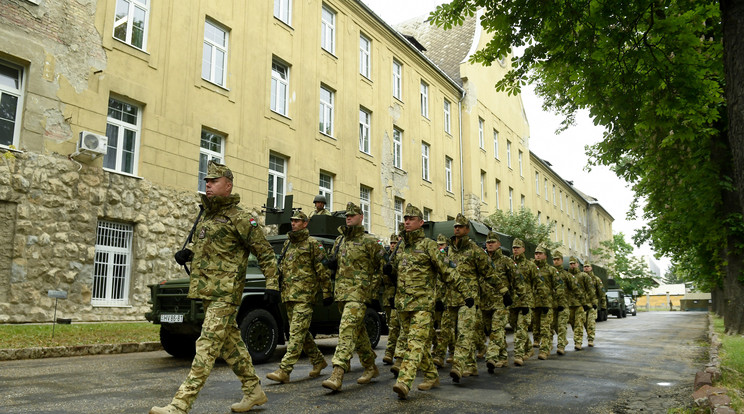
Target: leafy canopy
{"x": 524, "y": 225}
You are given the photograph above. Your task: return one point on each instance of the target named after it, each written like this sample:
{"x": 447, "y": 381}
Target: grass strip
{"x": 31, "y": 336}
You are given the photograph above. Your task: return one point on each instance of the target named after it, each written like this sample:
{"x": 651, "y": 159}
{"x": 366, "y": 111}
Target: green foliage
{"x": 732, "y": 364}
{"x": 522, "y": 224}
{"x": 29, "y": 336}
{"x": 630, "y": 272}
{"x": 674, "y": 275}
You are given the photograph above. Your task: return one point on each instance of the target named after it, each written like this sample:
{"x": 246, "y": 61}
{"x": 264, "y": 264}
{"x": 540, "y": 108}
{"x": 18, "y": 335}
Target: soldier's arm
{"x": 254, "y": 239}
{"x": 322, "y": 272}
{"x": 490, "y": 274}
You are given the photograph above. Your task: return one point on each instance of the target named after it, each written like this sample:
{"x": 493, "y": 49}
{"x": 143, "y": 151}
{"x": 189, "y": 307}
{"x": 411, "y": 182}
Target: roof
{"x": 697, "y": 296}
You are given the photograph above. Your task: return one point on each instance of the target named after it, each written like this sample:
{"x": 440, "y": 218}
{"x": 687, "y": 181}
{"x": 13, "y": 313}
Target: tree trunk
{"x": 732, "y": 15}
{"x": 716, "y": 296}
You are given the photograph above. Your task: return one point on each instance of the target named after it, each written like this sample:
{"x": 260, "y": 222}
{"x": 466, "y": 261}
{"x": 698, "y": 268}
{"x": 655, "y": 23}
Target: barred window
{"x": 112, "y": 264}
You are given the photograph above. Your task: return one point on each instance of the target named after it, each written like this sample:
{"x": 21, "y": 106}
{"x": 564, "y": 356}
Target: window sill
{"x": 283, "y": 24}
{"x": 217, "y": 85}
{"x": 122, "y": 173}
{"x": 400, "y": 100}
{"x": 4, "y": 148}
{"x": 329, "y": 53}
{"x": 103, "y": 305}
{"x": 400, "y": 171}
{"x": 134, "y": 51}
{"x": 324, "y": 135}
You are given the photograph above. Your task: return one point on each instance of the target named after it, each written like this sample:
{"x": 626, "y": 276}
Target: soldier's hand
{"x": 507, "y": 299}
{"x": 586, "y": 308}
{"x": 387, "y": 269}
{"x": 560, "y": 308}
{"x": 328, "y": 301}
{"x": 594, "y": 306}
{"x": 331, "y": 264}
{"x": 272, "y": 296}
{"x": 439, "y": 306}
{"x": 469, "y": 302}
{"x": 183, "y": 256}
{"x": 525, "y": 310}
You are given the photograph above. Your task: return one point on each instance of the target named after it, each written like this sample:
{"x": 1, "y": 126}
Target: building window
{"x": 448, "y": 173}
{"x": 326, "y": 111}
{"x": 539, "y": 217}
{"x": 496, "y": 144}
{"x": 481, "y": 140}
{"x": 427, "y": 214}
{"x": 283, "y": 11}
{"x": 365, "y": 49}
{"x": 546, "y": 189}
{"x": 112, "y": 265}
{"x": 328, "y": 30}
{"x": 11, "y": 102}
{"x": 212, "y": 149}
{"x": 537, "y": 183}
{"x": 522, "y": 200}
{"x": 277, "y": 179}
{"x": 447, "y": 119}
{"x": 560, "y": 198}
{"x": 364, "y": 123}
{"x": 397, "y": 148}
{"x": 498, "y": 192}
{"x": 279, "y": 87}
{"x": 214, "y": 56}
{"x": 425, "y": 161}
{"x": 483, "y": 186}
{"x": 519, "y": 160}
{"x": 365, "y": 195}
{"x": 554, "y": 200}
{"x": 424, "y": 99}
{"x": 397, "y": 80}
{"x": 130, "y": 22}
{"x": 398, "y": 212}
{"x": 123, "y": 131}
{"x": 508, "y": 153}
{"x": 511, "y": 199}
{"x": 325, "y": 188}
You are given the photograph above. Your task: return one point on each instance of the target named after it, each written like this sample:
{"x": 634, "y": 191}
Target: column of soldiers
{"x": 469, "y": 292}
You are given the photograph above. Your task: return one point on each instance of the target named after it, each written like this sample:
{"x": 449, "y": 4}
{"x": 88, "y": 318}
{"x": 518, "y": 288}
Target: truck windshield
{"x": 613, "y": 294}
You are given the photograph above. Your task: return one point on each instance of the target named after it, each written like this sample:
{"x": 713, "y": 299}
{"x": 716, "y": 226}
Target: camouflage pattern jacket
{"x": 224, "y": 238}
{"x": 418, "y": 264}
{"x": 576, "y": 293}
{"x": 302, "y": 271}
{"x": 524, "y": 279}
{"x": 599, "y": 295}
{"x": 565, "y": 281}
{"x": 587, "y": 283}
{"x": 360, "y": 260}
{"x": 473, "y": 268}
{"x": 545, "y": 286}
{"x": 388, "y": 286}
{"x": 323, "y": 212}
{"x": 498, "y": 283}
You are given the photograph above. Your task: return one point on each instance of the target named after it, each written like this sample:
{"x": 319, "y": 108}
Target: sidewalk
{"x": 78, "y": 350}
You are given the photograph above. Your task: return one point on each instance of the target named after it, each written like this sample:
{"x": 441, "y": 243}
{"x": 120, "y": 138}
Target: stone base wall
{"x": 49, "y": 211}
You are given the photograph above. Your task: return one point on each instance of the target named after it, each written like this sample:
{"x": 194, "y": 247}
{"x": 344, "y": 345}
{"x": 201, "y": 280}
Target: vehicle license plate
{"x": 171, "y": 318}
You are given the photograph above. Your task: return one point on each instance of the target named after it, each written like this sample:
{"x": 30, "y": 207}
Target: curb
{"x": 705, "y": 393}
{"x": 77, "y": 350}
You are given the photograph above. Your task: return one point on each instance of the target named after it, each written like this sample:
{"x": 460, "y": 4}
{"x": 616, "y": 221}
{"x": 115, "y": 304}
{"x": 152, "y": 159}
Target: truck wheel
{"x": 260, "y": 332}
{"x": 373, "y": 323}
{"x": 178, "y": 345}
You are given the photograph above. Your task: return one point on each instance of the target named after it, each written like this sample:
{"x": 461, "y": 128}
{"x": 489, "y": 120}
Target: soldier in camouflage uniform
{"x": 561, "y": 309}
{"x": 359, "y": 257}
{"x": 302, "y": 277}
{"x": 444, "y": 316}
{"x": 388, "y": 301}
{"x": 546, "y": 290}
{"x": 472, "y": 267}
{"x": 578, "y": 302}
{"x": 519, "y": 313}
{"x": 496, "y": 353}
{"x": 416, "y": 266}
{"x": 599, "y": 300}
{"x": 225, "y": 236}
{"x": 320, "y": 210}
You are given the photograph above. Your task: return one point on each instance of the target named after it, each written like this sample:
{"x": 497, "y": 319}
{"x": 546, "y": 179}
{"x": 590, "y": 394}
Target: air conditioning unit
{"x": 92, "y": 144}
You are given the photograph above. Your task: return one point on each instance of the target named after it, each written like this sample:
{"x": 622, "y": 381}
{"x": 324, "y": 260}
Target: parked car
{"x": 630, "y": 305}
{"x": 616, "y": 303}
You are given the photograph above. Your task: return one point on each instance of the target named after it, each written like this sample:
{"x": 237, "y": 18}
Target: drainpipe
{"x": 462, "y": 178}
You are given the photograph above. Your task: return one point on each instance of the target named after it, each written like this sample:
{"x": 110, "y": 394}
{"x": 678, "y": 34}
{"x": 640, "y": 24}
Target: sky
{"x": 565, "y": 151}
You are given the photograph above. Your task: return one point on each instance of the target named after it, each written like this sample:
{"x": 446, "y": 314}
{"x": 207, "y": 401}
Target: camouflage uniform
{"x": 388, "y": 297}
{"x": 303, "y": 276}
{"x": 445, "y": 338}
{"x": 417, "y": 264}
{"x": 560, "y": 310}
{"x": 360, "y": 259}
{"x": 523, "y": 298}
{"x": 599, "y": 301}
{"x": 224, "y": 238}
{"x": 322, "y": 212}
{"x": 577, "y": 301}
{"x": 507, "y": 270}
{"x": 545, "y": 289}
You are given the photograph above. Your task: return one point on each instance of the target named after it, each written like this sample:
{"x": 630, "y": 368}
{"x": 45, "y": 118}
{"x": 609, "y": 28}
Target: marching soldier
{"x": 578, "y": 302}
{"x": 388, "y": 302}
{"x": 561, "y": 309}
{"x": 519, "y": 313}
{"x": 599, "y": 301}
{"x": 496, "y": 352}
{"x": 545, "y": 289}
{"x": 302, "y": 276}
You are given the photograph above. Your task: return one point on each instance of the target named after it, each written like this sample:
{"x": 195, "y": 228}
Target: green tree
{"x": 630, "y": 272}
{"x": 652, "y": 73}
{"x": 524, "y": 225}
{"x": 674, "y": 275}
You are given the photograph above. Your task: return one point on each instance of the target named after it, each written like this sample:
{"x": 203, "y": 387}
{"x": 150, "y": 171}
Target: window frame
{"x": 511, "y": 199}
{"x": 397, "y": 80}
{"x": 398, "y": 204}
{"x": 519, "y": 160}
{"x": 129, "y": 22}
{"x": 447, "y": 116}
{"x": 328, "y": 30}
{"x": 397, "y": 148}
{"x": 365, "y": 203}
{"x": 18, "y": 94}
{"x": 285, "y": 7}
{"x": 483, "y": 180}
{"x": 448, "y": 174}
{"x": 120, "y": 236}
{"x": 276, "y": 83}
{"x": 498, "y": 192}
{"x": 537, "y": 183}
{"x": 274, "y": 176}
{"x": 213, "y": 56}
{"x": 326, "y": 108}
{"x": 122, "y": 127}
{"x": 481, "y": 133}
{"x": 365, "y": 56}
{"x": 365, "y": 126}
{"x": 425, "y": 161}
{"x": 495, "y": 144}
{"x": 424, "y": 93}
{"x": 326, "y": 191}
{"x": 208, "y": 155}
{"x": 508, "y": 154}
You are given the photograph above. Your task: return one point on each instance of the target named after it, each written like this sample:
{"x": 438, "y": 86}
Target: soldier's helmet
{"x": 299, "y": 215}
{"x": 517, "y": 243}
{"x": 460, "y": 220}
{"x": 353, "y": 209}
{"x": 217, "y": 170}
{"x": 492, "y": 237}
{"x": 320, "y": 198}
{"x": 541, "y": 248}
{"x": 413, "y": 211}
{"x": 441, "y": 239}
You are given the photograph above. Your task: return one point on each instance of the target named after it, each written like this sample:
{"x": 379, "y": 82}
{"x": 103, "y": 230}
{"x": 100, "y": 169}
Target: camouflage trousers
{"x": 464, "y": 357}
{"x": 446, "y": 336}
{"x": 591, "y": 323}
{"x": 560, "y": 320}
{"x": 300, "y": 315}
{"x": 496, "y": 350}
{"x": 576, "y": 319}
{"x": 417, "y": 328}
{"x": 482, "y": 329}
{"x": 393, "y": 324}
{"x": 220, "y": 337}
{"x": 542, "y": 329}
{"x": 352, "y": 336}
{"x": 521, "y": 325}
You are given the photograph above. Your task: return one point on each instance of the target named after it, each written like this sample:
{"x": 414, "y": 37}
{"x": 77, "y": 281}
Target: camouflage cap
{"x": 413, "y": 211}
{"x": 401, "y": 227}
{"x": 517, "y": 243}
{"x": 353, "y": 209}
{"x": 217, "y": 170}
{"x": 393, "y": 238}
{"x": 587, "y": 264}
{"x": 541, "y": 248}
{"x": 557, "y": 254}
{"x": 460, "y": 220}
{"x": 492, "y": 237}
{"x": 299, "y": 215}
{"x": 573, "y": 259}
{"x": 441, "y": 238}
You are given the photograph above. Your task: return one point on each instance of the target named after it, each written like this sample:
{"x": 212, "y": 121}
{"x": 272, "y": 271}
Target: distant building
{"x": 659, "y": 297}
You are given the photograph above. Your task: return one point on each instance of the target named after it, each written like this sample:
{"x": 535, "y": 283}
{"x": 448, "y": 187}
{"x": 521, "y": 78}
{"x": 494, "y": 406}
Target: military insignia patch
{"x": 253, "y": 222}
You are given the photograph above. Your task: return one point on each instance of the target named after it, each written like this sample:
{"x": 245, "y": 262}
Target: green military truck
{"x": 263, "y": 326}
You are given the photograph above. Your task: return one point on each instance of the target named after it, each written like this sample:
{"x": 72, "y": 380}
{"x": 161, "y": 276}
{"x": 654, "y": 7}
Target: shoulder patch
{"x": 253, "y": 222}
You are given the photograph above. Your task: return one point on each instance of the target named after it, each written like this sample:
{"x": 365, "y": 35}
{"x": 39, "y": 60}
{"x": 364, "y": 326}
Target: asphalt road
{"x": 643, "y": 363}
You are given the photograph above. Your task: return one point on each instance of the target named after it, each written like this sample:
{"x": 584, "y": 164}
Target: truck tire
{"x": 178, "y": 345}
{"x": 373, "y": 323}
{"x": 260, "y": 332}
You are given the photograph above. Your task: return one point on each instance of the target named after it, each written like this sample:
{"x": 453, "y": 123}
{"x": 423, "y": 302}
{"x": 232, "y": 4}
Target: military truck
{"x": 616, "y": 303}
{"x": 263, "y": 326}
